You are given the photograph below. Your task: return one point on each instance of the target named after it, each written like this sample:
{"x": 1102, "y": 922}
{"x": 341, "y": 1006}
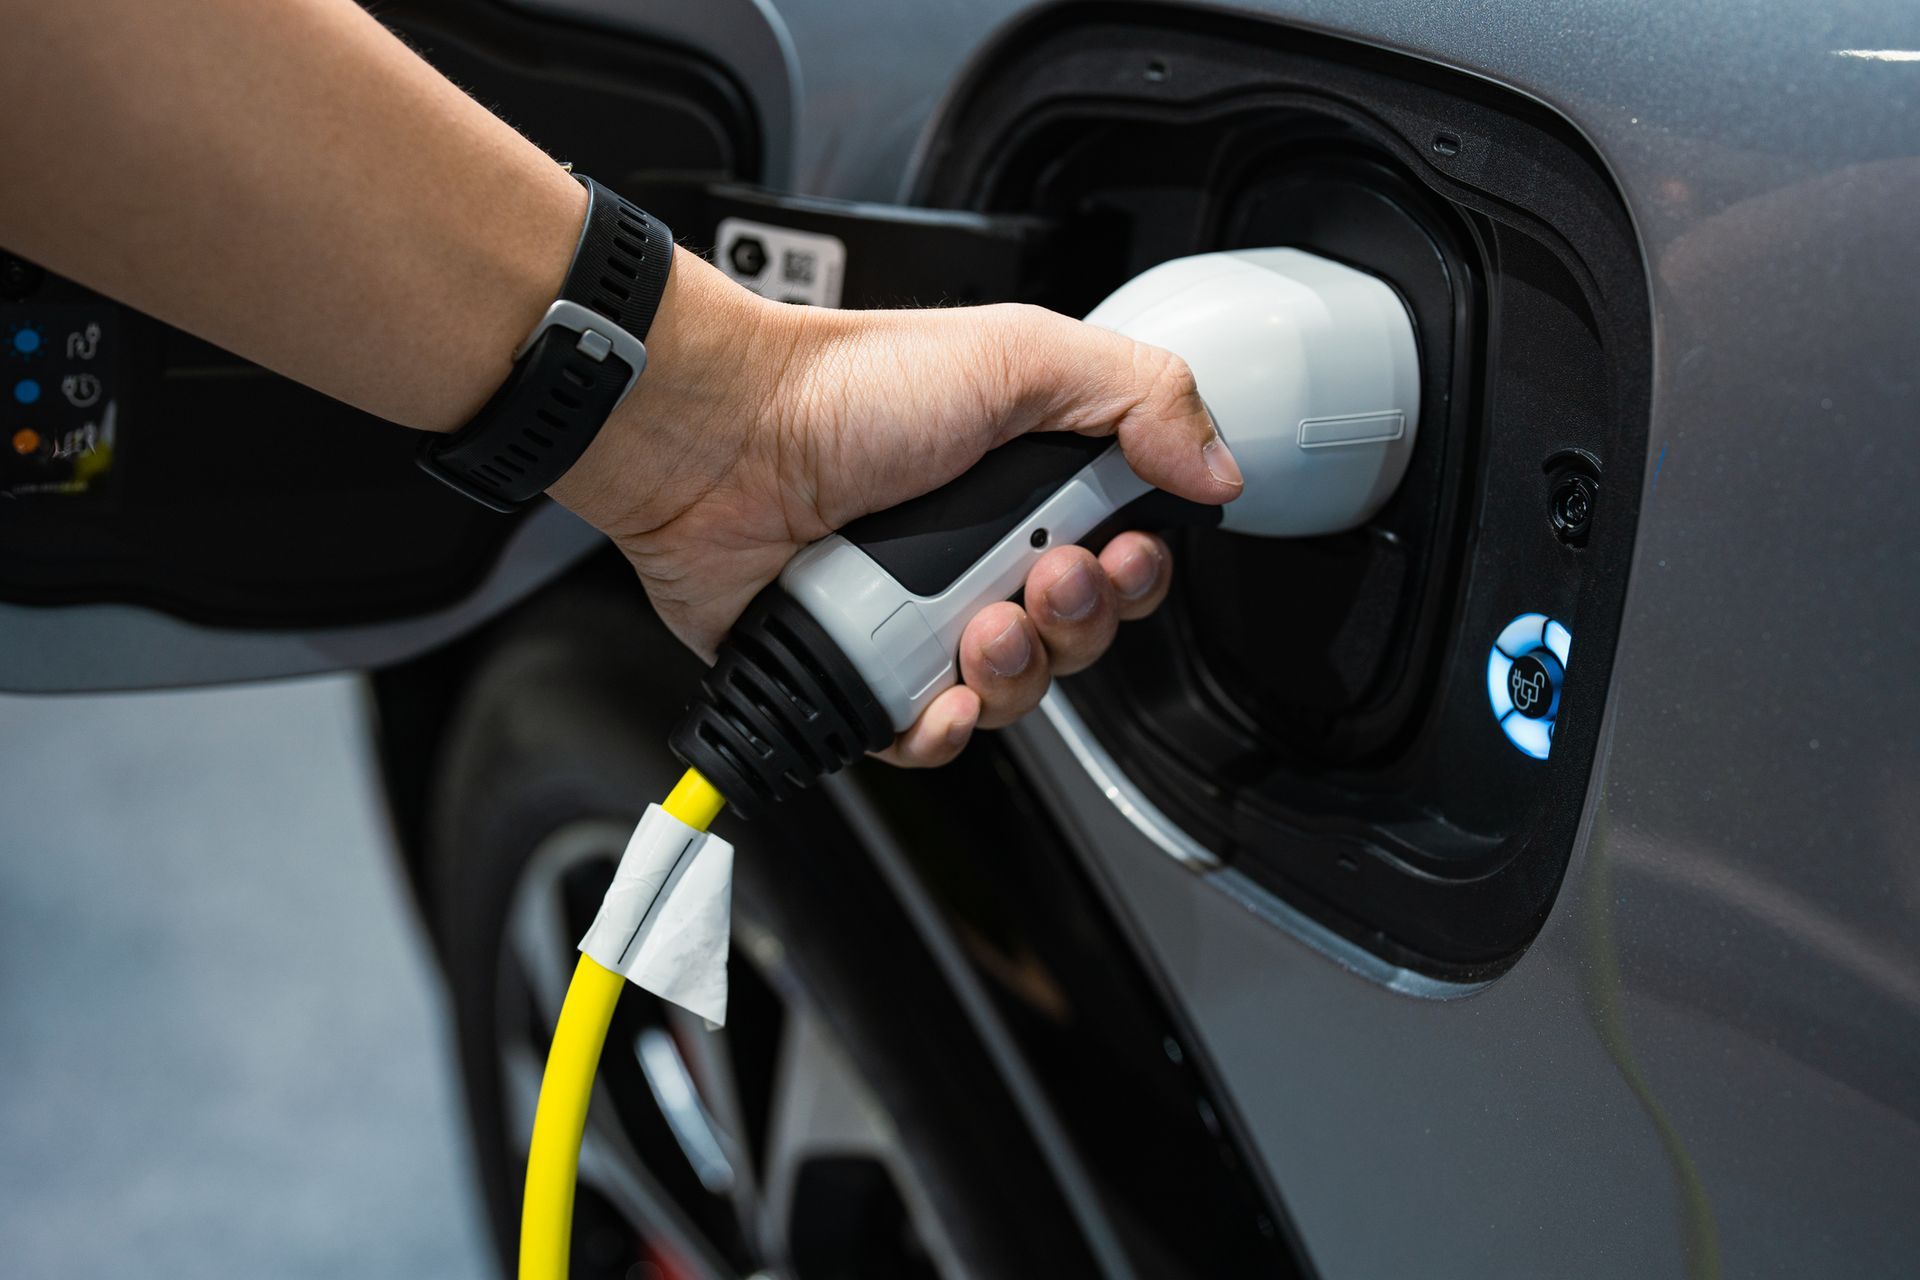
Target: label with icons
{"x": 781, "y": 263}
{"x": 59, "y": 366}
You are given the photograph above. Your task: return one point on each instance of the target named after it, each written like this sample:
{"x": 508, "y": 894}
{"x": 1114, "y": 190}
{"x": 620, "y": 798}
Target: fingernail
{"x": 958, "y": 731}
{"x": 1137, "y": 574}
{"x": 1009, "y": 652}
{"x": 1073, "y": 596}
{"x": 1220, "y": 463}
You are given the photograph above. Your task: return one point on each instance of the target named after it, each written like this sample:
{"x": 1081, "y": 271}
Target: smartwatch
{"x": 578, "y": 363}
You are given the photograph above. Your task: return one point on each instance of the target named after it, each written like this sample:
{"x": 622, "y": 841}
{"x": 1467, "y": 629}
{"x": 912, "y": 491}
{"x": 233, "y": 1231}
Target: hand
{"x": 760, "y": 427}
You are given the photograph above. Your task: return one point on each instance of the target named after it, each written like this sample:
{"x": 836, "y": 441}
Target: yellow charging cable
{"x": 560, "y": 1120}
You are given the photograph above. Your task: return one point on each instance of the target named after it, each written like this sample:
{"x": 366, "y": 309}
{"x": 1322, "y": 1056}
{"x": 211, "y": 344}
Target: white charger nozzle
{"x": 1309, "y": 368}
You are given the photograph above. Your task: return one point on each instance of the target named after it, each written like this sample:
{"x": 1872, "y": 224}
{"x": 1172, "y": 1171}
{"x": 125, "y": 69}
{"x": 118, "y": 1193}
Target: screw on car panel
{"x": 1157, "y": 72}
{"x": 1446, "y": 144}
{"x": 1571, "y": 507}
{"x": 748, "y": 256}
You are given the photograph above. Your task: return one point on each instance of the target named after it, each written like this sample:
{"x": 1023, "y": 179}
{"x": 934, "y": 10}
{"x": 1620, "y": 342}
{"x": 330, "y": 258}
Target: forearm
{"x": 286, "y": 179}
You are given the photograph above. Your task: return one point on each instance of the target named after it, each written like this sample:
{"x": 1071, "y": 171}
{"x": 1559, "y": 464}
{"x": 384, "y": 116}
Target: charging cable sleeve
{"x": 560, "y": 1120}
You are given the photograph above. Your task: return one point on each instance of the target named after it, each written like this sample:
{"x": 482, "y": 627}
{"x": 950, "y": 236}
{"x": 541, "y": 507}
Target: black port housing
{"x": 1317, "y": 711}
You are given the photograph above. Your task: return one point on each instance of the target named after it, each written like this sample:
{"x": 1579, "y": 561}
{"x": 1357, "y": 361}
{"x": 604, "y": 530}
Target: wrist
{"x": 713, "y": 353}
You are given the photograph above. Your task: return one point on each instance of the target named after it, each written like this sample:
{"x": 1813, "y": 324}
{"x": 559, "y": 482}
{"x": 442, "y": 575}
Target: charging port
{"x": 1319, "y": 712}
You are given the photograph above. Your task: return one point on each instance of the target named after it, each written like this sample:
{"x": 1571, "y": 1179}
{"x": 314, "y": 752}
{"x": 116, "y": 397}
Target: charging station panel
{"x": 1318, "y": 712}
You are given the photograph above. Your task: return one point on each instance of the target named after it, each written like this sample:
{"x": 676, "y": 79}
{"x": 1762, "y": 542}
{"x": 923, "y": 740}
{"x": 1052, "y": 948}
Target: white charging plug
{"x": 1309, "y": 368}
{"x": 1311, "y": 373}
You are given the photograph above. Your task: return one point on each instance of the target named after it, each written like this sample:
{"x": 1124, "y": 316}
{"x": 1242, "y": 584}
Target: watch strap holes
{"x": 554, "y": 401}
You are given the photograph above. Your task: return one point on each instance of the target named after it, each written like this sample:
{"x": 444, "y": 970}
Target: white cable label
{"x": 665, "y": 923}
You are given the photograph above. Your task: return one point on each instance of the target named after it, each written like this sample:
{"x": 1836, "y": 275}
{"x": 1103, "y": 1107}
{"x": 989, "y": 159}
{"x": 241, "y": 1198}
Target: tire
{"x": 845, "y": 1124}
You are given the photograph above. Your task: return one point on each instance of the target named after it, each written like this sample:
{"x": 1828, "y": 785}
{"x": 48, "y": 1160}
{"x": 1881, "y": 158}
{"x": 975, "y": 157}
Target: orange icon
{"x": 25, "y": 441}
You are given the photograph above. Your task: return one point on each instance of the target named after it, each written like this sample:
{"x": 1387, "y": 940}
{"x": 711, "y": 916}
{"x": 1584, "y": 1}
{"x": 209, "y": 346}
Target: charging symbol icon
{"x": 1527, "y": 687}
{"x": 1532, "y": 687}
{"x": 1525, "y": 669}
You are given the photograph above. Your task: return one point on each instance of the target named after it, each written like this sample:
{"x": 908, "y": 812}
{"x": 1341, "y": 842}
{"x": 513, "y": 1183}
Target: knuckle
{"x": 1177, "y": 378}
{"x": 1169, "y": 375}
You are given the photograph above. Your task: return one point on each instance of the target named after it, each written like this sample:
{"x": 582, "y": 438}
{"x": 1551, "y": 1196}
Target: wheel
{"x": 843, "y": 1124}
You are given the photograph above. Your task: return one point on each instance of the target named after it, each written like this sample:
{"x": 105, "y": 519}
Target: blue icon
{"x": 26, "y": 391}
{"x": 25, "y": 340}
{"x": 1525, "y": 669}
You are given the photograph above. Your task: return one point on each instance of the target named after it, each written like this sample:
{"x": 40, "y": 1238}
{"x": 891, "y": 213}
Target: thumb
{"x": 1146, "y": 396}
{"x": 1169, "y": 437}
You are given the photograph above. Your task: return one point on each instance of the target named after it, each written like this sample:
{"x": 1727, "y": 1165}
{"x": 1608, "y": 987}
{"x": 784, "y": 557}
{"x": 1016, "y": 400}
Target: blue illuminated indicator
{"x": 1535, "y": 737}
{"x": 1525, "y": 669}
{"x": 26, "y": 341}
{"x": 26, "y": 391}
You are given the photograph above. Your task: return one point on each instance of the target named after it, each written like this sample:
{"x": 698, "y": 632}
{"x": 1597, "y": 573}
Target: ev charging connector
{"x": 1311, "y": 372}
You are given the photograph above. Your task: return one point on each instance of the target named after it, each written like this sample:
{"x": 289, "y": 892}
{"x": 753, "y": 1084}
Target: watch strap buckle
{"x": 598, "y": 338}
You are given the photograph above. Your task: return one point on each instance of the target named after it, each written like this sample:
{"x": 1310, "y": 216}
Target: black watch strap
{"x": 577, "y": 364}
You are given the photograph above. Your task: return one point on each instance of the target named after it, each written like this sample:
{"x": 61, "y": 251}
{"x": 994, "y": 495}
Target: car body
{"x": 1689, "y": 1043}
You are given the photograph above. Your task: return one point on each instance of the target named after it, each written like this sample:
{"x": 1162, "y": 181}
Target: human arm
{"x": 290, "y": 181}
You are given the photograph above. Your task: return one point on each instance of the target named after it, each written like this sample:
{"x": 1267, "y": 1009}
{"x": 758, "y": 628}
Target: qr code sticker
{"x": 798, "y": 266}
